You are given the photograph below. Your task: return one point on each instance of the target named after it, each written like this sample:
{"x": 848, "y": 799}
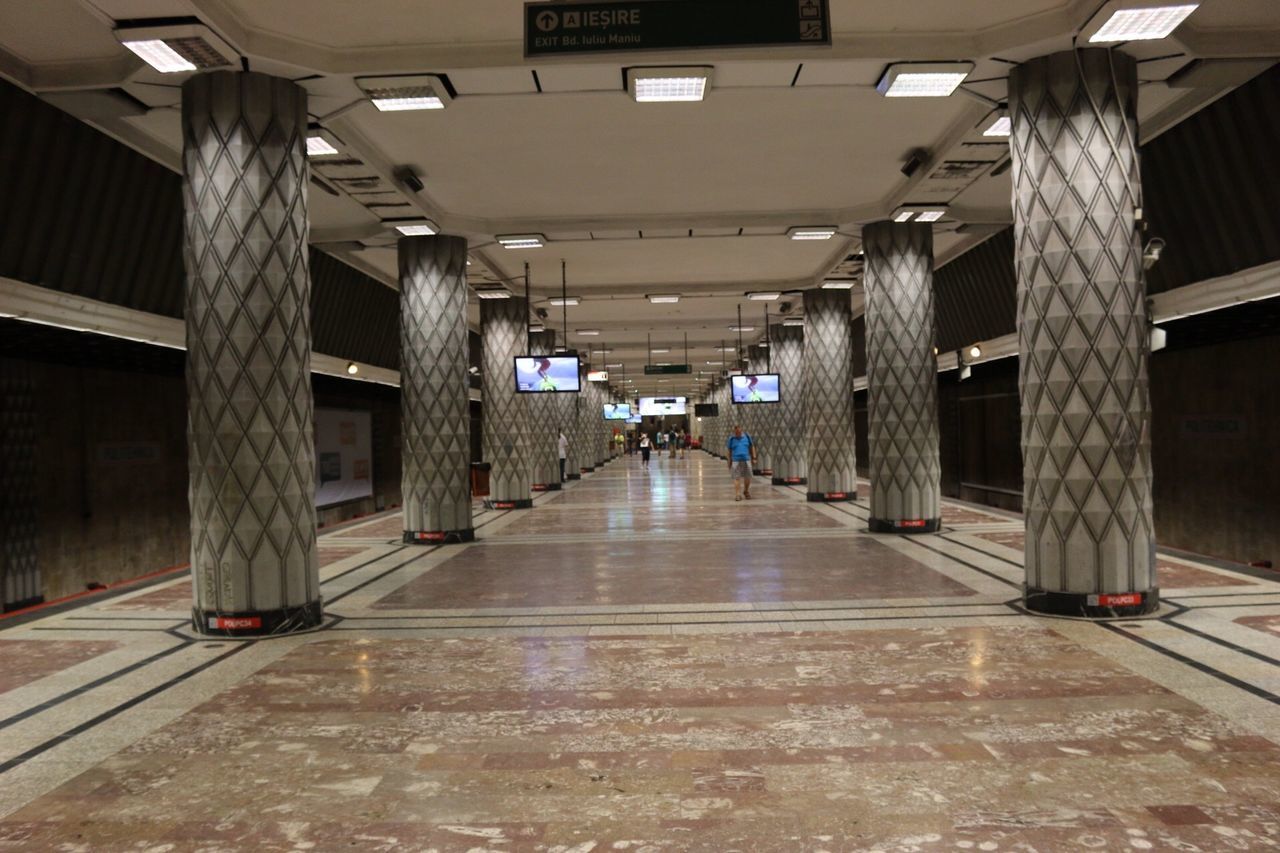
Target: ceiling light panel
{"x": 1142, "y": 23}
{"x": 560, "y": 301}
{"x": 318, "y": 146}
{"x": 413, "y": 227}
{"x": 668, "y": 85}
{"x": 812, "y": 232}
{"x": 923, "y": 79}
{"x": 764, "y": 296}
{"x": 406, "y": 92}
{"x": 1002, "y": 126}
{"x": 171, "y": 49}
{"x": 589, "y": 332}
{"x": 663, "y": 298}
{"x": 521, "y": 241}
{"x": 837, "y": 285}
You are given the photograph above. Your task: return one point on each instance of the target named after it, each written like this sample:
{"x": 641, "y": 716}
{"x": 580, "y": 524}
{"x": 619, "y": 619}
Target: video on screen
{"x": 755, "y": 388}
{"x": 617, "y": 411}
{"x": 546, "y": 373}
{"x": 660, "y": 406}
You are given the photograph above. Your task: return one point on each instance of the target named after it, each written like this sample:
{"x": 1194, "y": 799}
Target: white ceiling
{"x": 634, "y": 198}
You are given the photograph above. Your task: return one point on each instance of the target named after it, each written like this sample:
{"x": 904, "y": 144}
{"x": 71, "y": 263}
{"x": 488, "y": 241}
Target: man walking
{"x": 563, "y": 444}
{"x": 742, "y": 452}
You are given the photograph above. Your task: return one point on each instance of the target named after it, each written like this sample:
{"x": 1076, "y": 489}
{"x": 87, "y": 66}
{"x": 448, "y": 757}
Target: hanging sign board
{"x": 603, "y": 26}
{"x": 659, "y": 369}
{"x": 598, "y": 376}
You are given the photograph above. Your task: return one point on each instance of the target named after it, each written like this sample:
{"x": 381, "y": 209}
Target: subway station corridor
{"x": 639, "y": 662}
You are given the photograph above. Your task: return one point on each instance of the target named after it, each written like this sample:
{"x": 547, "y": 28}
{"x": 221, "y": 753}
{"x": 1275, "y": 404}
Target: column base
{"x": 757, "y": 472}
{"x": 791, "y": 481}
{"x": 766, "y": 472}
{"x": 439, "y": 537}
{"x": 573, "y": 476}
{"x": 522, "y": 503}
{"x": 831, "y": 497}
{"x": 257, "y": 623}
{"x": 1091, "y": 605}
{"x": 545, "y": 487}
{"x": 588, "y": 469}
{"x": 904, "y": 525}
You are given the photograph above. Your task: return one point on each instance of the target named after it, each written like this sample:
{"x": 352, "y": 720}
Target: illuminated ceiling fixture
{"x": 975, "y": 351}
{"x": 742, "y": 328}
{"x": 793, "y": 321}
{"x": 537, "y": 327}
{"x": 612, "y": 366}
{"x": 922, "y": 79}
{"x": 171, "y": 49}
{"x": 413, "y": 227}
{"x": 1002, "y": 126}
{"x": 406, "y": 92}
{"x": 837, "y": 285}
{"x": 812, "y": 232}
{"x": 493, "y": 293}
{"x": 1136, "y": 20}
{"x": 521, "y": 241}
{"x": 659, "y": 298}
{"x": 318, "y": 146}
{"x": 764, "y": 295}
{"x": 352, "y": 368}
{"x": 589, "y": 332}
{"x": 668, "y": 85}
{"x": 559, "y": 301}
{"x": 660, "y": 349}
{"x": 919, "y": 213}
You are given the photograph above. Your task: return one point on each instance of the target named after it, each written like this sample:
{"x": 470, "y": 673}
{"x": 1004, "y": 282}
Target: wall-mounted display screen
{"x": 659, "y": 406}
{"x": 542, "y": 373}
{"x": 635, "y": 419}
{"x": 706, "y": 410}
{"x": 617, "y": 411}
{"x": 755, "y": 388}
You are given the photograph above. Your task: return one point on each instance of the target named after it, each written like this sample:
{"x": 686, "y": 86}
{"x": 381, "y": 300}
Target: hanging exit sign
{"x": 631, "y": 25}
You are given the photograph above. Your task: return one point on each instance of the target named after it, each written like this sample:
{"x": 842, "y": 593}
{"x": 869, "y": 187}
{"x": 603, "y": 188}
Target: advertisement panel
{"x": 344, "y": 456}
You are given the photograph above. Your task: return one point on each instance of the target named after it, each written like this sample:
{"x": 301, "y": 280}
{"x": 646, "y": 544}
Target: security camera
{"x": 1151, "y": 253}
{"x": 409, "y": 178}
{"x": 541, "y": 312}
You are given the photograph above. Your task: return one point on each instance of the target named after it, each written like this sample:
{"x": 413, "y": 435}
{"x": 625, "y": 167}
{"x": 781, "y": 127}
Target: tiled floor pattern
{"x": 641, "y": 664}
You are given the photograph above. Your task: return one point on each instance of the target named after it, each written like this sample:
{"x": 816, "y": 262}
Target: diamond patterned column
{"x": 248, "y": 316}
{"x": 902, "y": 378}
{"x": 791, "y": 434}
{"x": 583, "y": 438}
{"x": 20, "y": 581}
{"x": 1082, "y": 335}
{"x": 828, "y": 396}
{"x": 435, "y": 414}
{"x": 506, "y": 413}
{"x": 599, "y": 432}
{"x": 567, "y": 420}
{"x": 544, "y": 455}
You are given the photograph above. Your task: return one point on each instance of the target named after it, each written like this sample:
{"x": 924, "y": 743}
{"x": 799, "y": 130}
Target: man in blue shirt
{"x": 742, "y": 452}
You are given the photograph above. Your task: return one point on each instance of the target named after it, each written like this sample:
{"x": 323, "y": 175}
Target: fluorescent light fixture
{"x": 920, "y": 213}
{"x": 812, "y": 232}
{"x": 668, "y": 85}
{"x": 318, "y": 146}
{"x": 658, "y": 298}
{"x": 1002, "y": 126}
{"x": 1138, "y": 21}
{"x": 764, "y": 296}
{"x": 537, "y": 327}
{"x": 174, "y": 48}
{"x": 413, "y": 227}
{"x": 660, "y": 349}
{"x": 793, "y": 321}
{"x": 160, "y": 56}
{"x": 837, "y": 285}
{"x": 611, "y": 366}
{"x": 493, "y": 293}
{"x": 975, "y": 351}
{"x": 560, "y": 301}
{"x": 352, "y": 368}
{"x": 922, "y": 79}
{"x": 521, "y": 241}
{"x": 588, "y": 332}
{"x": 406, "y": 92}
{"x": 742, "y": 328}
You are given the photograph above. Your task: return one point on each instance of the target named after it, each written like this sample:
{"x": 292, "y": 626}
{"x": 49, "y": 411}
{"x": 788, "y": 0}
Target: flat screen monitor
{"x": 617, "y": 411}
{"x": 546, "y": 373}
{"x": 706, "y": 410}
{"x": 635, "y": 419}
{"x": 660, "y": 406}
{"x": 755, "y": 388}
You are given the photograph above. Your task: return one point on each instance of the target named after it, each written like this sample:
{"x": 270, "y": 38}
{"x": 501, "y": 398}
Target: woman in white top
{"x": 645, "y": 448}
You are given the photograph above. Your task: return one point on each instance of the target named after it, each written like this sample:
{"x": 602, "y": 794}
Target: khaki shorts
{"x": 741, "y": 470}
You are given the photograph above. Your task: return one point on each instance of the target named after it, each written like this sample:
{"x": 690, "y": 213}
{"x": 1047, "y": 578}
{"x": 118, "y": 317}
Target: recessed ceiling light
{"x": 493, "y": 293}
{"x": 742, "y": 328}
{"x": 837, "y": 285}
{"x": 920, "y": 213}
{"x": 414, "y": 227}
{"x": 406, "y": 92}
{"x": 521, "y": 241}
{"x": 588, "y": 331}
{"x": 764, "y": 296}
{"x": 173, "y": 48}
{"x": 657, "y": 298}
{"x": 352, "y": 368}
{"x": 1139, "y": 22}
{"x": 930, "y": 216}
{"x": 793, "y": 321}
{"x": 660, "y": 349}
{"x": 537, "y": 327}
{"x": 975, "y": 351}
{"x": 904, "y": 215}
{"x": 668, "y": 85}
{"x": 1002, "y": 126}
{"x": 812, "y": 232}
{"x": 922, "y": 79}
{"x": 560, "y": 301}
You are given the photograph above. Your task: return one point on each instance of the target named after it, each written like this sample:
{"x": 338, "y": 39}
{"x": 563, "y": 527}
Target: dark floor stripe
{"x": 1194, "y": 664}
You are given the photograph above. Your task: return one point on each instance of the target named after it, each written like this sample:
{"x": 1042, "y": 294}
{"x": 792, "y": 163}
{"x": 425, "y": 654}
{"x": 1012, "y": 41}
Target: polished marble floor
{"x": 639, "y": 663}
